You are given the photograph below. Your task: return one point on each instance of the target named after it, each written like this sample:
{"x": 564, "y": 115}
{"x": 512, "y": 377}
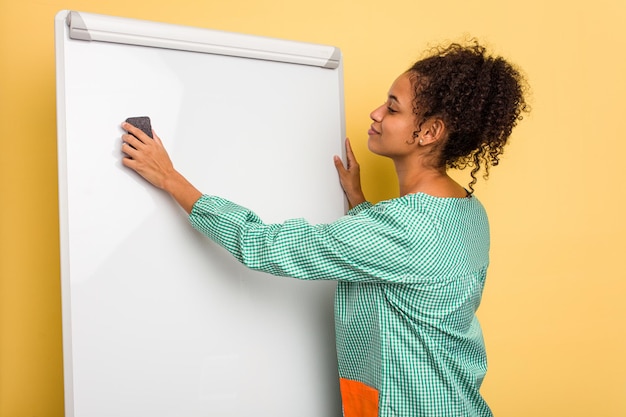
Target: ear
{"x": 433, "y": 131}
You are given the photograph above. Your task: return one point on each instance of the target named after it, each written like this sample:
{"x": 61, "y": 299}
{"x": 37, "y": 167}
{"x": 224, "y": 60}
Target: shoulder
{"x": 448, "y": 220}
{"x": 417, "y": 216}
{"x": 422, "y": 205}
{"x": 445, "y": 209}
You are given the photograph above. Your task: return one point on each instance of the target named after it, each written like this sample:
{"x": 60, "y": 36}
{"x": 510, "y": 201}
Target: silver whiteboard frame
{"x": 92, "y": 27}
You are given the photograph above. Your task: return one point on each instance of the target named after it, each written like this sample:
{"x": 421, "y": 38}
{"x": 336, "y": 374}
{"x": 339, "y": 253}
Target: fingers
{"x": 349, "y": 176}
{"x": 129, "y": 162}
{"x": 136, "y": 132}
{"x": 129, "y": 150}
{"x": 339, "y": 165}
{"x": 351, "y": 162}
{"x": 349, "y": 152}
{"x": 350, "y": 158}
{"x": 130, "y": 142}
{"x": 136, "y": 139}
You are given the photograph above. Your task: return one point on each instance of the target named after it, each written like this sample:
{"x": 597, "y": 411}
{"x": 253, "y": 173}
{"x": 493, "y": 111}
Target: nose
{"x": 377, "y": 114}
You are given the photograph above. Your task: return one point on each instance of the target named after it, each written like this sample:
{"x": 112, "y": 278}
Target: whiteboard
{"x": 157, "y": 319}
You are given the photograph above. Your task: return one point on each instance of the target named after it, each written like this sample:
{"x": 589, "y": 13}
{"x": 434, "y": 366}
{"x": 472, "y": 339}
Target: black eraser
{"x": 142, "y": 123}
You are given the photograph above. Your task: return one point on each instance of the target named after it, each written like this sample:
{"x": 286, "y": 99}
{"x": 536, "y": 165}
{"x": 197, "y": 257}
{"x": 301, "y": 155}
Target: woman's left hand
{"x": 350, "y": 177}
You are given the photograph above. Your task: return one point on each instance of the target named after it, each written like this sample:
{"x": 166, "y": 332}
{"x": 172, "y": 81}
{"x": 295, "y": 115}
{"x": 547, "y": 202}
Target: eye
{"x": 391, "y": 110}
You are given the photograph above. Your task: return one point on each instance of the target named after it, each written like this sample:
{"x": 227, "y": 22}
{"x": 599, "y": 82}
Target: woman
{"x": 410, "y": 270}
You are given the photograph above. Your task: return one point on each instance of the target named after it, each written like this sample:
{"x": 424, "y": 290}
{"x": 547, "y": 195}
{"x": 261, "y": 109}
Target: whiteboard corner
{"x": 77, "y": 27}
{"x": 61, "y": 15}
{"x": 334, "y": 60}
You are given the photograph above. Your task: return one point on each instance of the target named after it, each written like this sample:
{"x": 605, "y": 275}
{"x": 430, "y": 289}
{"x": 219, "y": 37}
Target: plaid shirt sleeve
{"x": 370, "y": 244}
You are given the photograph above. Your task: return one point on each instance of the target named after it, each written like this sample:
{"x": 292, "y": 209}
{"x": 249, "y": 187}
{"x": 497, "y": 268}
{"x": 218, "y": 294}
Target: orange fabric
{"x": 359, "y": 400}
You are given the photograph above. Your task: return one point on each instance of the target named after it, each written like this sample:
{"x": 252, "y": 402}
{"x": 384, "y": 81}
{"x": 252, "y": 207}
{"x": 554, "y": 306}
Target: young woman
{"x": 410, "y": 270}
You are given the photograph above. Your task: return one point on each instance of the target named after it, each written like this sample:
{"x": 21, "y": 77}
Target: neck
{"x": 427, "y": 180}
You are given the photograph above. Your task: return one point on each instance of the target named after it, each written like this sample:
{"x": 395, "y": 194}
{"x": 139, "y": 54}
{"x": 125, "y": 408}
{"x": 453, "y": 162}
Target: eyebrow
{"x": 394, "y": 98}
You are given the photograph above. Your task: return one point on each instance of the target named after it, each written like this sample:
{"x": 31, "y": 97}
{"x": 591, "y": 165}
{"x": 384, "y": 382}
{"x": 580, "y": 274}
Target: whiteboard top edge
{"x": 95, "y": 27}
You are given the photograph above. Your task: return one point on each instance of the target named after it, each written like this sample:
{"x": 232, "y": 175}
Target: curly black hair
{"x": 480, "y": 99}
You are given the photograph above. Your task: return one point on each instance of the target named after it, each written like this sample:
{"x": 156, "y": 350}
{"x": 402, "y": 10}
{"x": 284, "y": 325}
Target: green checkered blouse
{"x": 410, "y": 275}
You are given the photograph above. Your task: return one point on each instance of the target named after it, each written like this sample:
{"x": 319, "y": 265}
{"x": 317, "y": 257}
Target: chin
{"x": 370, "y": 145}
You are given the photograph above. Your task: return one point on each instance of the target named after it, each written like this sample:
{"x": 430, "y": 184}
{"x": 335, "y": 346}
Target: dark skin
{"x": 390, "y": 135}
{"x": 416, "y": 160}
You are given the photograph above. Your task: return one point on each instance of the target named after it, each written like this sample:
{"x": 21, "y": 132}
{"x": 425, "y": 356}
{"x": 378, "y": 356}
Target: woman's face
{"x": 391, "y": 133}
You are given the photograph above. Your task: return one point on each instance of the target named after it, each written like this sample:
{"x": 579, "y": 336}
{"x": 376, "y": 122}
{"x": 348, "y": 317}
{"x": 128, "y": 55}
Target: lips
{"x": 373, "y": 131}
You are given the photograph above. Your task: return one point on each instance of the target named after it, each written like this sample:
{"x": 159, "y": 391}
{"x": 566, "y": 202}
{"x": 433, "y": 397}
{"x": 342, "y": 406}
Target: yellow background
{"x": 553, "y": 311}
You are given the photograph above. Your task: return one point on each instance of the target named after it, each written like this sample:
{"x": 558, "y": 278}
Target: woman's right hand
{"x": 146, "y": 156}
{"x": 350, "y": 177}
{"x": 149, "y": 159}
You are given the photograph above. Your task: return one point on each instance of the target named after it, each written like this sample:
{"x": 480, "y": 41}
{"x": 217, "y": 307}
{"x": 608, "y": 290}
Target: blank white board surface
{"x": 158, "y": 320}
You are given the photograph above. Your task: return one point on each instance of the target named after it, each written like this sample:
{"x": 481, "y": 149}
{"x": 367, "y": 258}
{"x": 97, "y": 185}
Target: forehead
{"x": 402, "y": 89}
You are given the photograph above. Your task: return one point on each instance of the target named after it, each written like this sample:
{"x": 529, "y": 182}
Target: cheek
{"x": 399, "y": 127}
{"x": 408, "y": 130}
